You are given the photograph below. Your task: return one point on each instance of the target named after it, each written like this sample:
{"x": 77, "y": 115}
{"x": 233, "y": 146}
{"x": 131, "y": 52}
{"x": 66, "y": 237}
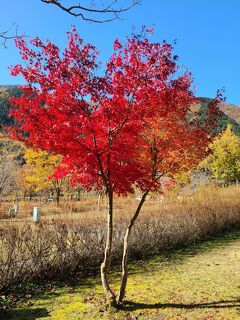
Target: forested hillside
{"x": 6, "y": 92}
{"x": 229, "y": 114}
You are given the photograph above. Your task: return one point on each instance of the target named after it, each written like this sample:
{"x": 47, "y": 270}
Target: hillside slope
{"x": 7, "y": 87}
{"x": 229, "y": 114}
{"x": 232, "y": 111}
{"x": 6, "y": 92}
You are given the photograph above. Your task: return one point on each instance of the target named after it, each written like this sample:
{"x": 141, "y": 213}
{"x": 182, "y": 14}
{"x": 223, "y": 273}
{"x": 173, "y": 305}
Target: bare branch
{"x": 5, "y": 35}
{"x": 108, "y": 10}
{"x": 8, "y": 34}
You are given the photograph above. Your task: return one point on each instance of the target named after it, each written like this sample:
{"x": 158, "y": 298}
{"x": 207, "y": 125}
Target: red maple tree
{"x": 119, "y": 131}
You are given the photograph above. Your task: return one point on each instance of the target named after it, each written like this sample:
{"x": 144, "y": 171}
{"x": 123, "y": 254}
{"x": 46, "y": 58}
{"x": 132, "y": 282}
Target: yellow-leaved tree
{"x": 39, "y": 167}
{"x": 224, "y": 160}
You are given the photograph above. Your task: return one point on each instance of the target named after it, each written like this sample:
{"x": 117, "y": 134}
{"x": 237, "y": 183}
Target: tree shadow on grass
{"x": 222, "y": 304}
{"x": 24, "y": 314}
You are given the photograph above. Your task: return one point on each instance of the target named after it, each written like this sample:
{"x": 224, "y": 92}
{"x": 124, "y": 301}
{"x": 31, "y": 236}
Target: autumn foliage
{"x": 118, "y": 130}
{"x": 113, "y": 125}
{"x": 38, "y": 170}
{"x": 223, "y": 163}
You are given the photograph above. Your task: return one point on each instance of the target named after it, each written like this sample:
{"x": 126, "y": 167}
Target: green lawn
{"x": 201, "y": 282}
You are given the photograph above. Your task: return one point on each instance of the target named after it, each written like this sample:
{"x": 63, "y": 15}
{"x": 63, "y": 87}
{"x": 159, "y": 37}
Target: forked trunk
{"x": 111, "y": 297}
{"x": 125, "y": 249}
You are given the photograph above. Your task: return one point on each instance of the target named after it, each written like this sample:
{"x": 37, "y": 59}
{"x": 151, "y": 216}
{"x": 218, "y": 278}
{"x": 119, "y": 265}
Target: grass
{"x": 201, "y": 282}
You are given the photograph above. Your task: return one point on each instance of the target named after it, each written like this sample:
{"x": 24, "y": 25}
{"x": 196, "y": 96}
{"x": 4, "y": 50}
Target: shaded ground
{"x": 201, "y": 282}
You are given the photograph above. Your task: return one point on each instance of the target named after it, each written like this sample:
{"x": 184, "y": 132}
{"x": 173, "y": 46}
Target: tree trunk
{"x": 58, "y": 191}
{"x": 125, "y": 249}
{"x": 78, "y": 195}
{"x": 111, "y": 297}
{"x": 16, "y": 197}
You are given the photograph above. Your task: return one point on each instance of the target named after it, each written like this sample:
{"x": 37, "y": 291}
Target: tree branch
{"x": 108, "y": 9}
{"x": 5, "y": 35}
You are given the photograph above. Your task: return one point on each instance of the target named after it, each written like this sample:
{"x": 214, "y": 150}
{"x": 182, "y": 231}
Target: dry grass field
{"x": 90, "y": 208}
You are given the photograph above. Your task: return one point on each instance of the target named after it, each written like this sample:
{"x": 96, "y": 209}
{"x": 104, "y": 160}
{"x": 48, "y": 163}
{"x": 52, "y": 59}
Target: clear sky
{"x": 207, "y": 33}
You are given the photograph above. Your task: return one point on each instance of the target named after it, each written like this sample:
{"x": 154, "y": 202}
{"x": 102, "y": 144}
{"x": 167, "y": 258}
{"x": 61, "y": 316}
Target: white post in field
{"x": 36, "y": 214}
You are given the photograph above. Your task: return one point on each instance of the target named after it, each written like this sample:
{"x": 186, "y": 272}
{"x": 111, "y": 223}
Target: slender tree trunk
{"x": 58, "y": 191}
{"x": 16, "y": 197}
{"x": 78, "y": 195}
{"x": 108, "y": 253}
{"x": 125, "y": 249}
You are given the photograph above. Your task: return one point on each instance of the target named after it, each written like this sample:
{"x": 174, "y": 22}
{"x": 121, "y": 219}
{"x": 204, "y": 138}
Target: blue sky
{"x": 207, "y": 33}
